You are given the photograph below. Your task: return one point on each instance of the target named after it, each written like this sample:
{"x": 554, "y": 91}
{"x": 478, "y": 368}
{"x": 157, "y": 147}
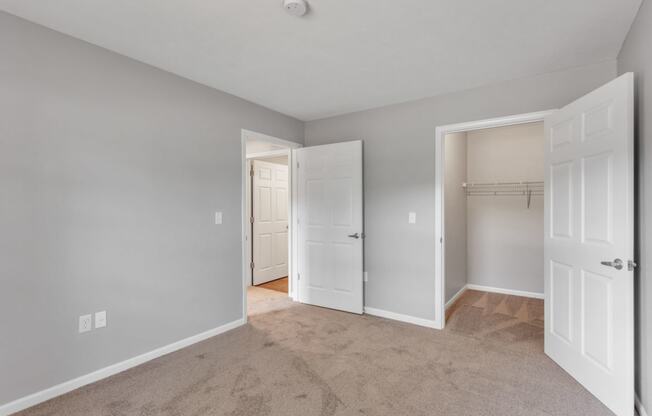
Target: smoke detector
{"x": 296, "y": 7}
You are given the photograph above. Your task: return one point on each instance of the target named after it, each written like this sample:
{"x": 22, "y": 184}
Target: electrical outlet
{"x": 100, "y": 319}
{"x": 412, "y": 218}
{"x": 366, "y": 277}
{"x": 218, "y": 218}
{"x": 85, "y": 323}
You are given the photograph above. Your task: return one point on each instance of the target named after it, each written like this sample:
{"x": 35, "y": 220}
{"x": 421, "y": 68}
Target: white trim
{"x": 65, "y": 387}
{"x": 639, "y": 406}
{"x": 250, "y": 134}
{"x": 456, "y": 296}
{"x": 440, "y": 133}
{"x": 495, "y": 122}
{"x": 523, "y": 293}
{"x": 246, "y": 253}
{"x": 271, "y": 153}
{"x": 400, "y": 317}
{"x": 294, "y": 225}
{"x": 248, "y": 228}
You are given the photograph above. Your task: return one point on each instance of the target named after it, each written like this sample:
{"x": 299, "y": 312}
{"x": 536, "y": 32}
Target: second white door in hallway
{"x": 270, "y": 221}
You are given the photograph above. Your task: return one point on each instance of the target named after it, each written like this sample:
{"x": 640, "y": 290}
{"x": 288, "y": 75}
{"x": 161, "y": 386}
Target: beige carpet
{"x": 299, "y": 360}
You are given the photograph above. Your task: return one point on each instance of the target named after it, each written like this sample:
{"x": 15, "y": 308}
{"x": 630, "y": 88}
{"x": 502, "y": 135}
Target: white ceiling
{"x": 344, "y": 55}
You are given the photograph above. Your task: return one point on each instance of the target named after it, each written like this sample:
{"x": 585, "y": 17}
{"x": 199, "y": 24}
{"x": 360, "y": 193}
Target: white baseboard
{"x": 399, "y": 317}
{"x": 65, "y": 387}
{"x": 505, "y": 291}
{"x": 639, "y": 406}
{"x": 456, "y": 296}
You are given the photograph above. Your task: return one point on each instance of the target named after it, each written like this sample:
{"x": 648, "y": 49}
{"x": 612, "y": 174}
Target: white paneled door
{"x": 330, "y": 225}
{"x": 589, "y": 242}
{"x": 270, "y": 221}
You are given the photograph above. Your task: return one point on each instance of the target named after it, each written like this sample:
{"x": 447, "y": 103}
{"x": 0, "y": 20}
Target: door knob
{"x": 616, "y": 264}
{"x": 356, "y": 235}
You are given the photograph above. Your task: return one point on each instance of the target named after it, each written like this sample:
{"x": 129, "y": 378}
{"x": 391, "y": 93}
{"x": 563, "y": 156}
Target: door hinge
{"x": 251, "y": 265}
{"x": 297, "y": 165}
{"x": 298, "y": 276}
{"x": 251, "y": 171}
{"x": 631, "y": 265}
{"x": 251, "y": 220}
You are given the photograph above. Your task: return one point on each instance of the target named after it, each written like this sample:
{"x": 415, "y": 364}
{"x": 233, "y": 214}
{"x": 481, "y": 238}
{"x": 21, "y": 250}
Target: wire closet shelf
{"x": 527, "y": 189}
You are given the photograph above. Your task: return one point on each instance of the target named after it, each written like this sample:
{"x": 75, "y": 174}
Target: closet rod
{"x": 527, "y": 189}
{"x": 505, "y": 193}
{"x": 481, "y": 184}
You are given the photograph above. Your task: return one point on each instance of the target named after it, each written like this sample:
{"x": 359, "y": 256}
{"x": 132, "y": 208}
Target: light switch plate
{"x": 100, "y": 319}
{"x": 218, "y": 218}
{"x": 412, "y": 218}
{"x": 366, "y": 277}
{"x": 85, "y": 323}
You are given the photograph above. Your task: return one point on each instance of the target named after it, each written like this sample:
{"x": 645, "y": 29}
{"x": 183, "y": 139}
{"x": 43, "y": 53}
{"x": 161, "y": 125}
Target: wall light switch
{"x": 100, "y": 319}
{"x": 85, "y": 323}
{"x": 412, "y": 218}
{"x": 366, "y": 276}
{"x": 218, "y": 218}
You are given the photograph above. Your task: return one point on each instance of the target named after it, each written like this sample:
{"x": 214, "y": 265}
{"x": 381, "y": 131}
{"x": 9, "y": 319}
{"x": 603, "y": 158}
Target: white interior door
{"x": 270, "y": 221}
{"x": 330, "y": 225}
{"x": 589, "y": 214}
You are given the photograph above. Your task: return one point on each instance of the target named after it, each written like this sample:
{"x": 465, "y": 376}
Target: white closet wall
{"x": 504, "y": 237}
{"x": 455, "y": 212}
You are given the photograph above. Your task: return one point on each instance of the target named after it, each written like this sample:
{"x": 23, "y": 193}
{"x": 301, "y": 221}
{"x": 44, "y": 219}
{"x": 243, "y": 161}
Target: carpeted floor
{"x": 298, "y": 360}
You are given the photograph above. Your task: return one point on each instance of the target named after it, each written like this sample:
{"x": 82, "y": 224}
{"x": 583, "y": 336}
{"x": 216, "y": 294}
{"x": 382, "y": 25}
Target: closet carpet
{"x": 293, "y": 359}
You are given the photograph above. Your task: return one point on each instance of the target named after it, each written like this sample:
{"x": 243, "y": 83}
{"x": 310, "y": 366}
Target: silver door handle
{"x": 616, "y": 264}
{"x": 356, "y": 235}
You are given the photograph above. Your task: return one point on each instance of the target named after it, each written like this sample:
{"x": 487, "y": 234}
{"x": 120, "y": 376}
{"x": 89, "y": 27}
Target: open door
{"x": 330, "y": 237}
{"x": 270, "y": 221}
{"x": 589, "y": 242}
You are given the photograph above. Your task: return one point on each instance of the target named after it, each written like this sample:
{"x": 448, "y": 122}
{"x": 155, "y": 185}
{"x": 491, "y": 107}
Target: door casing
{"x": 245, "y": 210}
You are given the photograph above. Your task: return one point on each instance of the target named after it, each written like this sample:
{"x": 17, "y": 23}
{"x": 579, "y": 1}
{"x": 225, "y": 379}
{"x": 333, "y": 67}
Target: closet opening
{"x": 491, "y": 223}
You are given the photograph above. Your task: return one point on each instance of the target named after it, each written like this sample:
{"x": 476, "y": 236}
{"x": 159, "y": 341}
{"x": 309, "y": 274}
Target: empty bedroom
{"x": 310, "y": 207}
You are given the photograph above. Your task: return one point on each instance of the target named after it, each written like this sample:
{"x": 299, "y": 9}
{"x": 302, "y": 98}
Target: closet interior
{"x": 493, "y": 227}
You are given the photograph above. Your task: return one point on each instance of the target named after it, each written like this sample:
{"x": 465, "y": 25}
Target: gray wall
{"x": 455, "y": 209}
{"x": 636, "y": 56}
{"x": 110, "y": 174}
{"x": 399, "y": 173}
{"x": 505, "y": 237}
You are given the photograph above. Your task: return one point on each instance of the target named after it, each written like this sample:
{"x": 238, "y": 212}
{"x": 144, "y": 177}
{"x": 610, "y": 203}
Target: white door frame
{"x": 440, "y": 249}
{"x": 245, "y": 209}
